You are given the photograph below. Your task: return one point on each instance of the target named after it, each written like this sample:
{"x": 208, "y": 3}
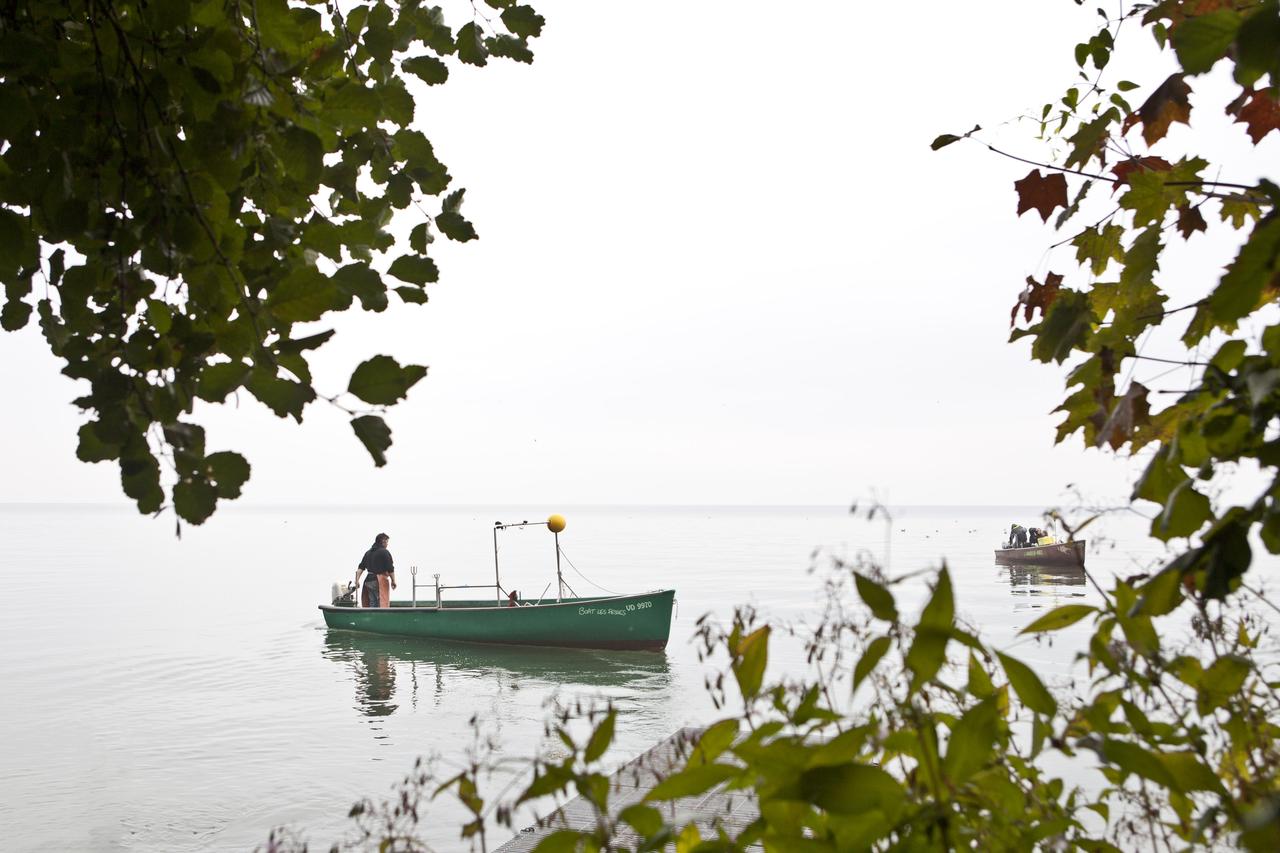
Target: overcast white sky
{"x": 718, "y": 264}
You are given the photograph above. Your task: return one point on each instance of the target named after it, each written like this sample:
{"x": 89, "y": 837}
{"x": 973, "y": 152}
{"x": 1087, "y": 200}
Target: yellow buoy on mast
{"x": 555, "y": 523}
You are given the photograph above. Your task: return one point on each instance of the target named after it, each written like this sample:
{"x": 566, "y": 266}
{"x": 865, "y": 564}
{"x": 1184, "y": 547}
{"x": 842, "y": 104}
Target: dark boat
{"x": 1057, "y": 554}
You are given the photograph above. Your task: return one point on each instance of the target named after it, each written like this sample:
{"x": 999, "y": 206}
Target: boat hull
{"x": 1059, "y": 554}
{"x": 617, "y": 622}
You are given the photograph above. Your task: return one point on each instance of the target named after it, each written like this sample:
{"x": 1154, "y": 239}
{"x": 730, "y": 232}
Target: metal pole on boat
{"x": 413, "y": 570}
{"x": 559, "y": 580}
{"x": 497, "y": 584}
{"x": 555, "y": 524}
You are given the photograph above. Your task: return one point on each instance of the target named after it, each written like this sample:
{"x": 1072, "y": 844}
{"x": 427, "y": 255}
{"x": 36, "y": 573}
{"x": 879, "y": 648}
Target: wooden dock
{"x": 733, "y": 810}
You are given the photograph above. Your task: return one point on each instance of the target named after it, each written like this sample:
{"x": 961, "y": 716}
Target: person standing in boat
{"x": 1017, "y": 536}
{"x": 381, "y": 577}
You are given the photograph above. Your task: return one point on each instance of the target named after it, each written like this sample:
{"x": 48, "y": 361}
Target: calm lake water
{"x": 184, "y": 694}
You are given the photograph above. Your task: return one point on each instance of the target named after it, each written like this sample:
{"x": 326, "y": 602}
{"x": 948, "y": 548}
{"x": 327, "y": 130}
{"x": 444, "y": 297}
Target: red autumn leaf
{"x": 1258, "y": 111}
{"x": 1041, "y": 193}
{"x": 1139, "y": 164}
{"x": 1036, "y": 295}
{"x": 1190, "y": 220}
{"x": 1131, "y": 411}
{"x": 1169, "y": 103}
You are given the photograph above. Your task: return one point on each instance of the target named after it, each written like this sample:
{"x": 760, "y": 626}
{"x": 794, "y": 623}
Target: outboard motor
{"x": 344, "y": 599}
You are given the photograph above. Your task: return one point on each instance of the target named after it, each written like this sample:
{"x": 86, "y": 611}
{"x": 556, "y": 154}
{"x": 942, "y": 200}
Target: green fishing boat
{"x": 617, "y": 622}
{"x": 638, "y": 621}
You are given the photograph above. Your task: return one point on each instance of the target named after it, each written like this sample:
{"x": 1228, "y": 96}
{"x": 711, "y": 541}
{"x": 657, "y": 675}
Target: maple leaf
{"x": 1036, "y": 295}
{"x": 1041, "y": 193}
{"x": 1125, "y": 168}
{"x": 1190, "y": 220}
{"x": 1258, "y": 111}
{"x": 1170, "y": 102}
{"x": 1131, "y": 411}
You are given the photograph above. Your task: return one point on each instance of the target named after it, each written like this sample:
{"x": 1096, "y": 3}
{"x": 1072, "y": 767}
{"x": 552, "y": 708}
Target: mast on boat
{"x": 555, "y": 523}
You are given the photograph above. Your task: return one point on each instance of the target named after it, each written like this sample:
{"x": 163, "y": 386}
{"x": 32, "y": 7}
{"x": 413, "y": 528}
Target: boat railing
{"x": 440, "y": 588}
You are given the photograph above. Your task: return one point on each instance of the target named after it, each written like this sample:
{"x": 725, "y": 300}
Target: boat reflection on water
{"x": 1028, "y": 578}
{"x": 431, "y": 669}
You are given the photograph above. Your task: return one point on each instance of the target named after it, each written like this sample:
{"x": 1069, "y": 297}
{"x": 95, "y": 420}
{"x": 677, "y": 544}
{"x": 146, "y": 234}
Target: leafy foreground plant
{"x": 189, "y": 181}
{"x": 944, "y": 750}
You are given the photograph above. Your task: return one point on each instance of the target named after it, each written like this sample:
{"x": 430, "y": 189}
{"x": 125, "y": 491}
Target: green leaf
{"x": 13, "y": 247}
{"x": 455, "y": 227}
{"x": 927, "y": 654}
{"x": 1185, "y": 511}
{"x": 282, "y": 396}
{"x": 304, "y": 155}
{"x": 692, "y": 781}
{"x": 523, "y": 21}
{"x": 412, "y": 295}
{"x": 943, "y": 141}
{"x": 160, "y": 316}
{"x": 1202, "y": 40}
{"x": 374, "y": 433}
{"x": 470, "y": 45}
{"x": 420, "y": 237}
{"x": 645, "y": 820}
{"x": 140, "y": 478}
{"x": 415, "y": 269}
{"x": 1098, "y": 246}
{"x": 1191, "y": 772}
{"x": 1160, "y": 595}
{"x": 14, "y": 315}
{"x": 979, "y": 684}
{"x": 562, "y": 841}
{"x": 509, "y": 47}
{"x": 92, "y": 448}
{"x": 1241, "y": 290}
{"x": 302, "y": 296}
{"x": 382, "y": 381}
{"x": 1027, "y": 685}
{"x": 851, "y": 789}
{"x": 1065, "y": 327}
{"x": 972, "y": 741}
{"x": 218, "y": 380}
{"x": 714, "y": 741}
{"x": 877, "y": 597}
{"x": 601, "y": 737}
{"x": 1131, "y": 758}
{"x": 1059, "y": 618}
{"x": 876, "y": 650}
{"x": 229, "y": 471}
{"x": 940, "y": 611}
{"x": 1229, "y": 356}
{"x": 359, "y": 280}
{"x": 1221, "y": 681}
{"x": 194, "y": 499}
{"x": 750, "y": 658}
{"x": 1256, "y": 46}
{"x": 430, "y": 70}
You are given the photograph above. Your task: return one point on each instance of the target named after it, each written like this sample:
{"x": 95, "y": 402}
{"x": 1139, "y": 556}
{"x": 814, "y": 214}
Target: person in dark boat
{"x": 1017, "y": 536}
{"x": 381, "y": 577}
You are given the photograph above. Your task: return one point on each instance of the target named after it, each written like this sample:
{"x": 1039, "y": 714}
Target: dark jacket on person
{"x": 377, "y": 561}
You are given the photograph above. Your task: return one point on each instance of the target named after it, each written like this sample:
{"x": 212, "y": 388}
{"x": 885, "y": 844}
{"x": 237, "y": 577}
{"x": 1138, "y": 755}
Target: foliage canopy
{"x": 184, "y": 184}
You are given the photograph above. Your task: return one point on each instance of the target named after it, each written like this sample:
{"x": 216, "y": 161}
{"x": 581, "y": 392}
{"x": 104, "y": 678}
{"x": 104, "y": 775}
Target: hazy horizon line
{"x": 850, "y": 507}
